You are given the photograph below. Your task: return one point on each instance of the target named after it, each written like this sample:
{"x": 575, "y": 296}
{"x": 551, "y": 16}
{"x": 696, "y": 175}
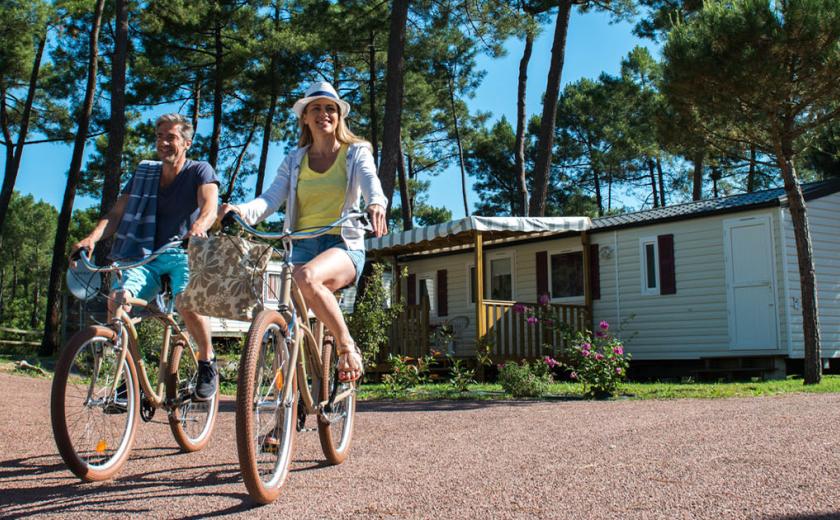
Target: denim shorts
{"x": 305, "y": 250}
{"x": 144, "y": 282}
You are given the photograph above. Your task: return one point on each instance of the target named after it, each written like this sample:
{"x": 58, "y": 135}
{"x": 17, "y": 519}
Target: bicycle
{"x": 278, "y": 386}
{"x": 101, "y": 386}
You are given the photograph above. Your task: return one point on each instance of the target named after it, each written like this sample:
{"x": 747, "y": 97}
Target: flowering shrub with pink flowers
{"x": 598, "y": 361}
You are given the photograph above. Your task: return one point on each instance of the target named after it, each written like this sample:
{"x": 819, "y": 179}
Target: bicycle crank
{"x": 147, "y": 411}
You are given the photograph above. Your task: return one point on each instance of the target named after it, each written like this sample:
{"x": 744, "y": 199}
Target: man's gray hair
{"x": 186, "y": 127}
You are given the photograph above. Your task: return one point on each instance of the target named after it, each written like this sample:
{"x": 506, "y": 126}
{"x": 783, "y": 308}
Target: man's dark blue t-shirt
{"x": 177, "y": 204}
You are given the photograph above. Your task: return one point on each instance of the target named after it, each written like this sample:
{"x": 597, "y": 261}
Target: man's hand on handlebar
{"x": 378, "y": 220}
{"x": 86, "y": 243}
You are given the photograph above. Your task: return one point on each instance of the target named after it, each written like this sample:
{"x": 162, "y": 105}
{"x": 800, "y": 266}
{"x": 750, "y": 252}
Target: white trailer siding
{"x": 824, "y": 225}
{"x": 692, "y": 323}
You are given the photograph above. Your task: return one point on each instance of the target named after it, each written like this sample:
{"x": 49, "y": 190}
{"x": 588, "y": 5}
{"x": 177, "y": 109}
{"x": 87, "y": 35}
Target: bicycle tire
{"x": 265, "y": 466}
{"x": 335, "y": 423}
{"x": 90, "y": 457}
{"x": 191, "y": 422}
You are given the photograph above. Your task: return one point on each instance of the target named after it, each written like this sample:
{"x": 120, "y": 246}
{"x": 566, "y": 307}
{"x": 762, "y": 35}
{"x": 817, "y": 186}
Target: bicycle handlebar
{"x": 83, "y": 256}
{"x": 232, "y": 218}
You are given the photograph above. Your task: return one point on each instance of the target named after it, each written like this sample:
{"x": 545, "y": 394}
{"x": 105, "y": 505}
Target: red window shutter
{"x": 667, "y": 275}
{"x": 442, "y": 295}
{"x": 594, "y": 272}
{"x": 412, "y": 289}
{"x": 542, "y": 273}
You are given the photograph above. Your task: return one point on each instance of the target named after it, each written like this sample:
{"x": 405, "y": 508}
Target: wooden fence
{"x": 16, "y": 339}
{"x": 409, "y": 335}
{"x": 513, "y": 337}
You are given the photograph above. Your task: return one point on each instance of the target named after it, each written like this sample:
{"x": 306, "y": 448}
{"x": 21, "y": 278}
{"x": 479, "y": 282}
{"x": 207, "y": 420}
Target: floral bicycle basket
{"x": 226, "y": 277}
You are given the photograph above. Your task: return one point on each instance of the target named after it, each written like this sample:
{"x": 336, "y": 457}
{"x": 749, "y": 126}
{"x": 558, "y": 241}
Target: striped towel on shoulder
{"x": 135, "y": 237}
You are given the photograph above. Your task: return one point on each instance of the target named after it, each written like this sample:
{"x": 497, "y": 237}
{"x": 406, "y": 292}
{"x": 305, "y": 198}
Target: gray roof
{"x": 757, "y": 199}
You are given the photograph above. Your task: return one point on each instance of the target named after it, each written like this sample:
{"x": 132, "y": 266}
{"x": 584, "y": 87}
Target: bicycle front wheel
{"x": 191, "y": 422}
{"x": 335, "y": 422}
{"x": 93, "y": 424}
{"x": 265, "y": 420}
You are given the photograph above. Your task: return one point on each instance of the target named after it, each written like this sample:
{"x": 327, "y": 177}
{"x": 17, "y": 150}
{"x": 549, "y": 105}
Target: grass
{"x": 564, "y": 390}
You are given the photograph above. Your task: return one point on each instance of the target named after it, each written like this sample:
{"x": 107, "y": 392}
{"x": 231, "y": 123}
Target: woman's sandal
{"x": 352, "y": 350}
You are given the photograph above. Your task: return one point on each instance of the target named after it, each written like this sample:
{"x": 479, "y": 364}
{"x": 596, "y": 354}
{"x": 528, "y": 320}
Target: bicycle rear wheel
{"x": 93, "y": 425}
{"x": 191, "y": 422}
{"x": 265, "y": 423}
{"x": 335, "y": 422}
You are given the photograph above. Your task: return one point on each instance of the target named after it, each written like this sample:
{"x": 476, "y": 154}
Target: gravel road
{"x": 776, "y": 457}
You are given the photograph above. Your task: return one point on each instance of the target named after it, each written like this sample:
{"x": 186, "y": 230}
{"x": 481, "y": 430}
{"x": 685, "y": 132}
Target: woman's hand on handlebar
{"x": 378, "y": 220}
{"x": 224, "y": 209}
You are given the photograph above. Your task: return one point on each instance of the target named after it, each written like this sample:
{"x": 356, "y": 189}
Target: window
{"x": 501, "y": 278}
{"x": 426, "y": 289}
{"x": 471, "y": 282}
{"x": 272, "y": 287}
{"x": 566, "y": 274}
{"x": 650, "y": 266}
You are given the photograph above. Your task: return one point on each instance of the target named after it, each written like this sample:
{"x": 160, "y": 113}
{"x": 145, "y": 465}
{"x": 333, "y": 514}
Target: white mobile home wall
{"x": 824, "y": 224}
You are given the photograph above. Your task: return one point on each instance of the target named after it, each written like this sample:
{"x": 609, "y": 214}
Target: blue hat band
{"x": 323, "y": 93}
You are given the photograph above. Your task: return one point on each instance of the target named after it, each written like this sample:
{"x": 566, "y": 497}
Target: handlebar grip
{"x": 77, "y": 254}
{"x": 228, "y": 221}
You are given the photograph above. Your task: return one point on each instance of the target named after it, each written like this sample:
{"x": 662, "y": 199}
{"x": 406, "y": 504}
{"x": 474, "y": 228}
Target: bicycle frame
{"x": 124, "y": 325}
{"x": 294, "y": 310}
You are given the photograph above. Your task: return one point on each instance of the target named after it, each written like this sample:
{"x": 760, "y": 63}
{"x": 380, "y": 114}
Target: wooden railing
{"x": 20, "y": 338}
{"x": 513, "y": 337}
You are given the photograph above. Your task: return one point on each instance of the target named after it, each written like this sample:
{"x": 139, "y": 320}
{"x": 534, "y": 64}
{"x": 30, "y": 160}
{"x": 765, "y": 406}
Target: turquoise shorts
{"x": 144, "y": 282}
{"x": 305, "y": 250}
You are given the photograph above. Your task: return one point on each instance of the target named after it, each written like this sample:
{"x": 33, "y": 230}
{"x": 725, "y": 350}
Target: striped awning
{"x": 460, "y": 233}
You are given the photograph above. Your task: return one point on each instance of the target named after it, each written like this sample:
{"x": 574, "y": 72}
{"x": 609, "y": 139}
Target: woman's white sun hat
{"x": 321, "y": 89}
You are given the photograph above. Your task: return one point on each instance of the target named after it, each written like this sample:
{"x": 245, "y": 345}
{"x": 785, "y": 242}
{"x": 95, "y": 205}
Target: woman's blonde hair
{"x": 342, "y": 133}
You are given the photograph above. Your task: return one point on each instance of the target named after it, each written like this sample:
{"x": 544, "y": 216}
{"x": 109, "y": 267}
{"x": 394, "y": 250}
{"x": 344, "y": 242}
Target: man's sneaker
{"x": 206, "y": 386}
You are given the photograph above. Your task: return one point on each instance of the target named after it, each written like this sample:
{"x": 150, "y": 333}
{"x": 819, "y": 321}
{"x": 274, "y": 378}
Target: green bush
{"x": 460, "y": 376}
{"x": 525, "y": 379}
{"x": 598, "y": 361}
{"x": 371, "y": 318}
{"x": 405, "y": 374}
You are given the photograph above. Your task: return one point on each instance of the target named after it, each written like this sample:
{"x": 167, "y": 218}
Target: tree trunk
{"x": 196, "y": 107}
{"x": 596, "y": 181}
{"x": 458, "y": 143}
{"x": 542, "y": 167}
{"x": 521, "y": 122}
{"x": 218, "y": 95}
{"x": 807, "y": 272}
{"x": 751, "y": 173}
{"x": 405, "y": 195}
{"x": 653, "y": 183}
{"x": 374, "y": 120}
{"x": 50, "y": 342}
{"x": 393, "y": 98}
{"x": 266, "y": 141}
{"x": 661, "y": 181}
{"x": 697, "y": 188}
{"x": 715, "y": 177}
{"x": 235, "y": 173}
{"x": 116, "y": 125}
{"x": 13, "y": 160}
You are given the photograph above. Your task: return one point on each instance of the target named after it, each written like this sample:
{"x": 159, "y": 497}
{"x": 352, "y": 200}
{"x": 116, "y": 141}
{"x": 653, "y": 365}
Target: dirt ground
{"x": 771, "y": 457}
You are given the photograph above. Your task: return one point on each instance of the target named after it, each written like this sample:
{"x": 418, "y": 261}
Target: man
{"x": 170, "y": 199}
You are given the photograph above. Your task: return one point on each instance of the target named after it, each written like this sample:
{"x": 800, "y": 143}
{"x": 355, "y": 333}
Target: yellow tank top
{"x": 320, "y": 196}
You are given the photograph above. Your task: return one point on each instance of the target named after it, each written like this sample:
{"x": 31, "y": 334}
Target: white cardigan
{"x": 361, "y": 180}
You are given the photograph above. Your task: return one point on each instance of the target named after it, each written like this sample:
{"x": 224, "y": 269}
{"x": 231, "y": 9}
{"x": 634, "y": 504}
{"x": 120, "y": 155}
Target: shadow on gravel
{"x": 806, "y": 516}
{"x": 127, "y": 495}
{"x": 443, "y": 406}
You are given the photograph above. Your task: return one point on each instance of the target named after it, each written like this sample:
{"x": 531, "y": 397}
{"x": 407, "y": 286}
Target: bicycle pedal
{"x": 147, "y": 411}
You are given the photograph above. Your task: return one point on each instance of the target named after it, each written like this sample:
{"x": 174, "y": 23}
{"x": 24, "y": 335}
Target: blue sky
{"x": 593, "y": 46}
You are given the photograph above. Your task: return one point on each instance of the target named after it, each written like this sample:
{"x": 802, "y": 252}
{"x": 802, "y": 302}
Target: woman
{"x": 318, "y": 183}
